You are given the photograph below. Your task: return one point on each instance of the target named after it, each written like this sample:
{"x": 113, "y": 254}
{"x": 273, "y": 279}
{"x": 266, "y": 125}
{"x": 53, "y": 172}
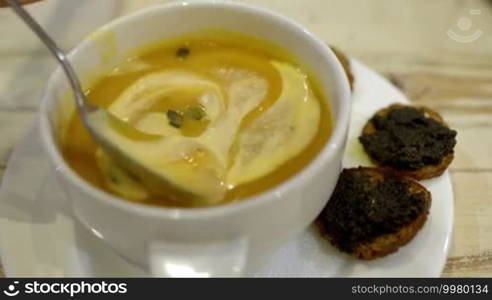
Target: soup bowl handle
{"x": 225, "y": 258}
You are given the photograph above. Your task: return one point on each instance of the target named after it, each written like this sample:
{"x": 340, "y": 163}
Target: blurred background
{"x": 438, "y": 52}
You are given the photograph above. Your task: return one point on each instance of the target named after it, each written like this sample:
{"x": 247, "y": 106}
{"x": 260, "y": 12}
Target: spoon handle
{"x": 55, "y": 51}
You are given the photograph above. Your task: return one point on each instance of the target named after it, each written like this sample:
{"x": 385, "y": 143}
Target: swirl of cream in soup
{"x": 215, "y": 150}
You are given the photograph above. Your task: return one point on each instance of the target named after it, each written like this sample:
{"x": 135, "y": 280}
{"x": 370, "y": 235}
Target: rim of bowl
{"x": 328, "y": 151}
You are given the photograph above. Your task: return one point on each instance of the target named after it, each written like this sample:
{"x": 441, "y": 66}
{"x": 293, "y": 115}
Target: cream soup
{"x": 232, "y": 116}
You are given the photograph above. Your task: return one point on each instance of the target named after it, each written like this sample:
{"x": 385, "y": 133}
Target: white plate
{"x": 39, "y": 238}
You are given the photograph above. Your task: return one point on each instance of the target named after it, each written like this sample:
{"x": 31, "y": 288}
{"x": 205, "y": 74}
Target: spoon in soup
{"x": 96, "y": 120}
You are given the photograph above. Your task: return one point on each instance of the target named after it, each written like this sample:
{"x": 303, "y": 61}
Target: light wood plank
{"x": 12, "y": 125}
{"x": 22, "y": 80}
{"x": 473, "y": 213}
{"x": 479, "y": 265}
{"x": 473, "y": 151}
{"x": 67, "y": 21}
{"x": 441, "y": 88}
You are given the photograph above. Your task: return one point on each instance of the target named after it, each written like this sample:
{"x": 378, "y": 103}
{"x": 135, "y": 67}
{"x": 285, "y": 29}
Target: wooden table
{"x": 407, "y": 41}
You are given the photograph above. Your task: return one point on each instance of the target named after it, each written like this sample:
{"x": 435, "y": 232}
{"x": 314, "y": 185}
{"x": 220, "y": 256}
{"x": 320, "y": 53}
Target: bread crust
{"x": 426, "y": 172}
{"x": 345, "y": 62}
{"x": 387, "y": 243}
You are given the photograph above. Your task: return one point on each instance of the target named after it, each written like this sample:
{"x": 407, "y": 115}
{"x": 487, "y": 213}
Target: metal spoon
{"x": 92, "y": 117}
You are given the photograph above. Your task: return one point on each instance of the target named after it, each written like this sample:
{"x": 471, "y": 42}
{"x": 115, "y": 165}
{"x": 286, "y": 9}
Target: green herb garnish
{"x": 113, "y": 177}
{"x": 175, "y": 119}
{"x": 182, "y": 52}
{"x": 195, "y": 113}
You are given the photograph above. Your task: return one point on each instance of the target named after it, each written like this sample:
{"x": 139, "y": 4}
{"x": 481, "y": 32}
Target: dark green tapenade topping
{"x": 406, "y": 139}
{"x": 362, "y": 209}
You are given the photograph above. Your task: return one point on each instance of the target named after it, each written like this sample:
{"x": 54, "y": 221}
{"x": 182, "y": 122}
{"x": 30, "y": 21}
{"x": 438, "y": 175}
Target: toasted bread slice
{"x": 425, "y": 172}
{"x": 345, "y": 64}
{"x": 358, "y": 221}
